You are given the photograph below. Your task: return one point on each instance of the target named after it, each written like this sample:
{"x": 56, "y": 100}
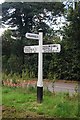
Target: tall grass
{"x": 17, "y": 77}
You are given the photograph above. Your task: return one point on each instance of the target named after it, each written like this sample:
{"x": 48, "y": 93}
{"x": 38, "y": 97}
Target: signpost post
{"x": 40, "y": 70}
{"x": 40, "y": 49}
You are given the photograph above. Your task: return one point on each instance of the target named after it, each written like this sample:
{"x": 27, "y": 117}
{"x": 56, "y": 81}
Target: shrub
{"x": 25, "y": 74}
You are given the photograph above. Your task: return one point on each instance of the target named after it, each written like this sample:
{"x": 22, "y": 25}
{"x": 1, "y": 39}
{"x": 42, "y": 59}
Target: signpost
{"x": 45, "y": 48}
{"x": 40, "y": 49}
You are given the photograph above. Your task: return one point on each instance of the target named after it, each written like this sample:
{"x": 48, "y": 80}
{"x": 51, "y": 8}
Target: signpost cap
{"x": 40, "y": 30}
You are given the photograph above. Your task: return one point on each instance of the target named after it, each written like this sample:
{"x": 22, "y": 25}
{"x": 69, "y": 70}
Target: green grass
{"x": 0, "y": 95}
{"x": 53, "y": 105}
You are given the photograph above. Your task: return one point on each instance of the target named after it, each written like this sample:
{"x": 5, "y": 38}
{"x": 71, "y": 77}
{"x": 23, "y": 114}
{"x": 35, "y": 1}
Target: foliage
{"x": 25, "y": 75}
{"x": 71, "y": 43}
{"x": 16, "y": 77}
{"x": 63, "y": 65}
{"x": 27, "y": 16}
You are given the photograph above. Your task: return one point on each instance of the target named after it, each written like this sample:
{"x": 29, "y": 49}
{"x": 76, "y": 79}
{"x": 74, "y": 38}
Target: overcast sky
{"x": 1, "y": 1}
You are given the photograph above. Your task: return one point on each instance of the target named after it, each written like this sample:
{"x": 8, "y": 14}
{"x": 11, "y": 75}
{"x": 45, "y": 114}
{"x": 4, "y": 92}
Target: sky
{"x": 1, "y": 1}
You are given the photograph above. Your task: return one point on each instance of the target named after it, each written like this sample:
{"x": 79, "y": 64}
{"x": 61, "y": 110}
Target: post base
{"x": 39, "y": 94}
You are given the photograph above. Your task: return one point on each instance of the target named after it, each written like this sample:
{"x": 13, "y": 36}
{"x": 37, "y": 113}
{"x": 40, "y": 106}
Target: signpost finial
{"x": 40, "y": 30}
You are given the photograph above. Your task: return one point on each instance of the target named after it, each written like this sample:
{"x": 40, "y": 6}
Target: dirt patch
{"x": 11, "y": 112}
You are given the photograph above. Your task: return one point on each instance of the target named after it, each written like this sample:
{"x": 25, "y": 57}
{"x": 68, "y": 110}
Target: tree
{"x": 28, "y": 17}
{"x": 71, "y": 44}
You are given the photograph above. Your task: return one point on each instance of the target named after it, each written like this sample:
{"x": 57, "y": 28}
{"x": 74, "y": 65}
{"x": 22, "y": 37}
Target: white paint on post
{"x": 40, "y": 62}
{"x": 73, "y": 4}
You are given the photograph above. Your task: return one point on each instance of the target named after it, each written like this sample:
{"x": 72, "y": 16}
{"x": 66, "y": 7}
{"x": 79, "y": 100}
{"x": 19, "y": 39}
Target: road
{"x": 61, "y": 86}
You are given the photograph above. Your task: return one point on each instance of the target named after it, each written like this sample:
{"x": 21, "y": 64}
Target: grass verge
{"x": 21, "y": 103}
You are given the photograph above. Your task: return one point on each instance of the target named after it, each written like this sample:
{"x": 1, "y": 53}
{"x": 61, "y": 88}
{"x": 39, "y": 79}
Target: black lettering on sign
{"x": 47, "y": 48}
{"x": 35, "y": 36}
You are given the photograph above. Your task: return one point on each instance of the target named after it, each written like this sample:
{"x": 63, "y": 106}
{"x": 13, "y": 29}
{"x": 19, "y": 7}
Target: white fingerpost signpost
{"x": 40, "y": 49}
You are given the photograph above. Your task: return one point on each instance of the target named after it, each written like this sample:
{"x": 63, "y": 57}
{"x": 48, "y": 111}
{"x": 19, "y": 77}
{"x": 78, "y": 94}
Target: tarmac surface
{"x": 62, "y": 86}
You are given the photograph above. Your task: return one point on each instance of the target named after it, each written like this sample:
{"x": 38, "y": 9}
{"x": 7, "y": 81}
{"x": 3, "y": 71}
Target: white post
{"x": 73, "y": 4}
{"x": 40, "y": 70}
